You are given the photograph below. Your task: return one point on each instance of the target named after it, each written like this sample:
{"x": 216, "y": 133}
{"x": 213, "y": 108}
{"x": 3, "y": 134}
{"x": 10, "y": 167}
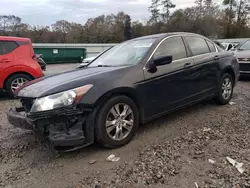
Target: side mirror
{"x": 163, "y": 60}
{"x": 152, "y": 66}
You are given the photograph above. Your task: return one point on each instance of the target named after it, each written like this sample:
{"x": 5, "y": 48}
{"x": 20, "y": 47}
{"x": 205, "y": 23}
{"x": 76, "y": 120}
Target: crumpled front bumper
{"x": 76, "y": 136}
{"x": 17, "y": 117}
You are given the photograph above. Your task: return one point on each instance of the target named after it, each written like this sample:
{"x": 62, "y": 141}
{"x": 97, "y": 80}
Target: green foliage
{"x": 206, "y": 18}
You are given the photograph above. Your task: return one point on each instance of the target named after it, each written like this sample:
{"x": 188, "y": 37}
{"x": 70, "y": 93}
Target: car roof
{"x": 163, "y": 35}
{"x": 10, "y": 38}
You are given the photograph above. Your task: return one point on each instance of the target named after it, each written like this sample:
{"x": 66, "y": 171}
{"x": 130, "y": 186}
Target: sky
{"x": 47, "y": 12}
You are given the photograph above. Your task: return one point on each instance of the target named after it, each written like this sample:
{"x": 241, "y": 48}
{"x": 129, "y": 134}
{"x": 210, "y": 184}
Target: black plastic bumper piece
{"x": 62, "y": 138}
{"x": 16, "y": 116}
{"x": 69, "y": 138}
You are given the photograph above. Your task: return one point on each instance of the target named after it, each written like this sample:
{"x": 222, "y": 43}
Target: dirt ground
{"x": 185, "y": 149}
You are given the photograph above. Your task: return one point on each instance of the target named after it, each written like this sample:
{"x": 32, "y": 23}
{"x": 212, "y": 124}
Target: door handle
{"x": 216, "y": 57}
{"x": 188, "y": 65}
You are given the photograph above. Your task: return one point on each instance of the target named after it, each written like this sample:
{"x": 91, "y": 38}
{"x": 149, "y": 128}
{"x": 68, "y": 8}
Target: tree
{"x": 9, "y": 24}
{"x": 63, "y": 27}
{"x": 155, "y": 12}
{"x": 229, "y": 16}
{"x": 167, "y": 5}
{"x": 200, "y": 5}
{"x": 205, "y": 18}
{"x": 127, "y": 28}
{"x": 241, "y": 21}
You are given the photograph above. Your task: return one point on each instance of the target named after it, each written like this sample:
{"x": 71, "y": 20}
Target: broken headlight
{"x": 58, "y": 100}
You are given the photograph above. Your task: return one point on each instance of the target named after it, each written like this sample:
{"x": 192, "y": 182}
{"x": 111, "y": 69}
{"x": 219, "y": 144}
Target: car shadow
{"x": 5, "y": 96}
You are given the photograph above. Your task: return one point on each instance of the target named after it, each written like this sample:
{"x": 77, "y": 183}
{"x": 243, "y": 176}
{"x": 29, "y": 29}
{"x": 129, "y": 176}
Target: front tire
{"x": 116, "y": 122}
{"x": 225, "y": 92}
{"x": 16, "y": 81}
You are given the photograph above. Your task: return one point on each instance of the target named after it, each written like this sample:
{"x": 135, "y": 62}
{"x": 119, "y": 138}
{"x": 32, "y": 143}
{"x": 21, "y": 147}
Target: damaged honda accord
{"x": 132, "y": 83}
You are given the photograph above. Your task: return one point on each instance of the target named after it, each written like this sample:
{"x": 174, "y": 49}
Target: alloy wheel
{"x": 227, "y": 88}
{"x": 119, "y": 121}
{"x": 18, "y": 82}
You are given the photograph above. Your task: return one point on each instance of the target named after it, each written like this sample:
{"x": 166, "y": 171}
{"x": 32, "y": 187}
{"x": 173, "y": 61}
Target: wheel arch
{"x": 230, "y": 71}
{"x": 126, "y": 91}
{"x": 14, "y": 73}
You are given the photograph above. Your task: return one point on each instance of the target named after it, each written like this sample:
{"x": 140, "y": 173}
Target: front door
{"x": 172, "y": 85}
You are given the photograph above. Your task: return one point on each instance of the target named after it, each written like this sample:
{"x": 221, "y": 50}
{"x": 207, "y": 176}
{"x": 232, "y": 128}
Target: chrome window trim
{"x": 160, "y": 44}
{"x": 144, "y": 68}
{"x": 158, "y": 47}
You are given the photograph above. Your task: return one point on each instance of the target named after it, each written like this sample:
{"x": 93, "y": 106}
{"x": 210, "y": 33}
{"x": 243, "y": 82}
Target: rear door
{"x": 206, "y": 63}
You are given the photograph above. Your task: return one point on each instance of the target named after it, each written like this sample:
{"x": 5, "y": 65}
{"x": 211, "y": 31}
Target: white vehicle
{"x": 229, "y": 46}
{"x": 87, "y": 60}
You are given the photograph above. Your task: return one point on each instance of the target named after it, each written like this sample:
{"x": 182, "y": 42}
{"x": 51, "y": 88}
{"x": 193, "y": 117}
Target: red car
{"x": 17, "y": 63}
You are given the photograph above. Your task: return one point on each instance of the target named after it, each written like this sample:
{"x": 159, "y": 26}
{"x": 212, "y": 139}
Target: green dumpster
{"x": 61, "y": 55}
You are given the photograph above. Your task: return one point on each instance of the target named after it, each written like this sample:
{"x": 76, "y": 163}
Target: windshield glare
{"x": 245, "y": 46}
{"x": 126, "y": 53}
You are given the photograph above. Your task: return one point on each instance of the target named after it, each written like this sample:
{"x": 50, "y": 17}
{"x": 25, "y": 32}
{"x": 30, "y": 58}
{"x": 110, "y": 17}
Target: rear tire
{"x": 225, "y": 92}
{"x": 15, "y": 81}
{"x": 116, "y": 122}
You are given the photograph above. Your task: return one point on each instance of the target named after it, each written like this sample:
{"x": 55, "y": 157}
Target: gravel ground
{"x": 185, "y": 149}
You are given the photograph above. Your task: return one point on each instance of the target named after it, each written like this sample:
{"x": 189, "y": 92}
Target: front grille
{"x": 65, "y": 111}
{"x": 244, "y": 66}
{"x": 27, "y": 104}
{"x": 244, "y": 59}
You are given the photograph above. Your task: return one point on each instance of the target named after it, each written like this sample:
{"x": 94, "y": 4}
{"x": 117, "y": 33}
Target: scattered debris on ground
{"x": 205, "y": 146}
{"x": 211, "y": 161}
{"x": 238, "y": 166}
{"x": 112, "y": 158}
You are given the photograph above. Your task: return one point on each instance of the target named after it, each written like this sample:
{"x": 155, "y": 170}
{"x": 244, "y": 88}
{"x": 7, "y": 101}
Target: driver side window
{"x": 172, "y": 46}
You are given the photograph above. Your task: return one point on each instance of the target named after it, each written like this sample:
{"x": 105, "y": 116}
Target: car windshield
{"x": 127, "y": 53}
{"x": 245, "y": 46}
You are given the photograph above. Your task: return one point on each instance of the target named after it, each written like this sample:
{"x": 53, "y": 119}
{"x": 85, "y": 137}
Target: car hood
{"x": 242, "y": 54}
{"x": 64, "y": 81}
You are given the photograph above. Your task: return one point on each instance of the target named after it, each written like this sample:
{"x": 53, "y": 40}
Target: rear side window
{"x": 211, "y": 46}
{"x": 174, "y": 47}
{"x": 198, "y": 46}
{"x": 9, "y": 46}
